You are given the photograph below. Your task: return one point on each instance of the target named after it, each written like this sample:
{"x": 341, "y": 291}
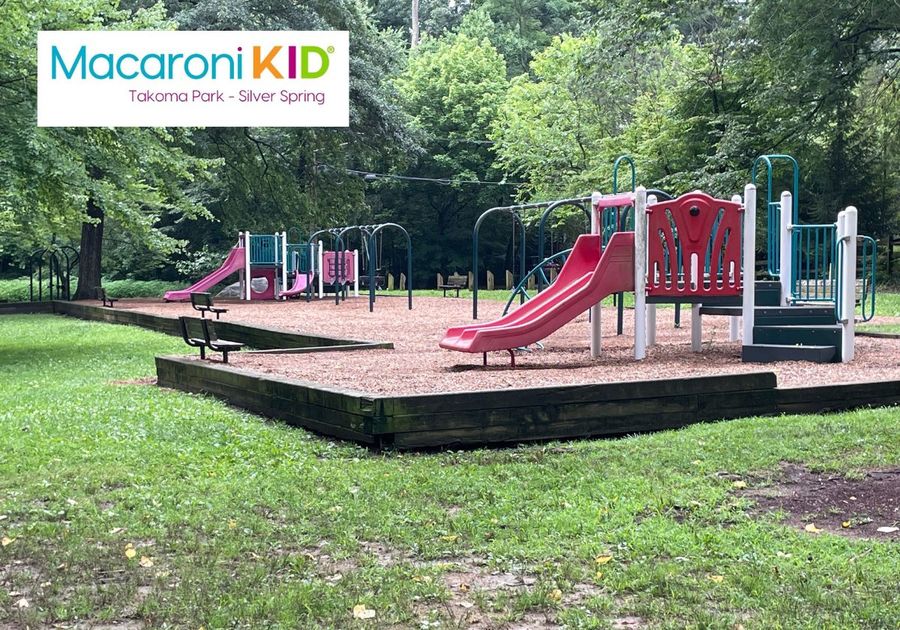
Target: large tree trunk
{"x": 91, "y": 253}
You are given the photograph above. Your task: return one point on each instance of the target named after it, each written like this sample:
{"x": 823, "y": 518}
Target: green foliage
{"x": 17, "y": 290}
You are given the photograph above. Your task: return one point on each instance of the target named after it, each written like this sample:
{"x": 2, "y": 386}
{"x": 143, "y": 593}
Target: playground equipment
{"x": 369, "y": 234}
{"x": 694, "y": 250}
{"x": 59, "y": 261}
{"x": 273, "y": 258}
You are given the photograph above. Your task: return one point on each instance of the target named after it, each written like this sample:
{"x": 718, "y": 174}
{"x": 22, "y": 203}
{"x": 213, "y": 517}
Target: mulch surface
{"x": 418, "y": 365}
{"x": 829, "y": 500}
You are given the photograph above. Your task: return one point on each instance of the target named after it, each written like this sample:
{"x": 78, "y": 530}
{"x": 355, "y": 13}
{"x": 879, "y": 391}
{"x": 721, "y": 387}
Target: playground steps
{"x": 768, "y": 293}
{"x": 769, "y": 353}
{"x": 779, "y": 315}
{"x": 810, "y": 335}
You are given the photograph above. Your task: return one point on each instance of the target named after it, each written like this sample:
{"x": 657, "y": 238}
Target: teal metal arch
{"x": 773, "y": 205}
{"x": 615, "y": 177}
{"x": 373, "y": 233}
{"x": 517, "y": 219}
{"x": 578, "y": 202}
{"x": 563, "y": 255}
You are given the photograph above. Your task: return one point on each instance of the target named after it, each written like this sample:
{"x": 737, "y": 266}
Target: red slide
{"x": 232, "y": 264}
{"x": 585, "y": 279}
{"x": 301, "y": 281}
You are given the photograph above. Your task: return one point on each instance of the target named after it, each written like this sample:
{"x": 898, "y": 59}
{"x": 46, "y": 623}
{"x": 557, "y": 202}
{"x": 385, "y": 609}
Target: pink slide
{"x": 232, "y": 264}
{"x": 301, "y": 281}
{"x": 585, "y": 279}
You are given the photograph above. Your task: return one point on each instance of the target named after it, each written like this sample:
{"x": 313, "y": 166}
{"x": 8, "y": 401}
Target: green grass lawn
{"x": 234, "y": 521}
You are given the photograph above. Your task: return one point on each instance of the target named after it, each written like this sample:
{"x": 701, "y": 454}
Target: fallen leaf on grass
{"x": 146, "y": 562}
{"x": 361, "y": 611}
{"x": 22, "y": 603}
{"x": 232, "y": 524}
{"x": 781, "y": 554}
{"x": 598, "y": 575}
{"x": 463, "y": 587}
{"x": 450, "y": 538}
{"x": 888, "y": 530}
{"x": 812, "y": 529}
{"x": 715, "y": 578}
{"x": 6, "y": 541}
{"x": 116, "y": 530}
{"x": 604, "y": 559}
{"x": 845, "y": 524}
{"x": 555, "y": 595}
{"x": 129, "y": 551}
{"x": 739, "y": 485}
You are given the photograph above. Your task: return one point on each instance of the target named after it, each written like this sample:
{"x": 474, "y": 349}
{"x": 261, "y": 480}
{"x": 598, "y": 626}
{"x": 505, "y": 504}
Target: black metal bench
{"x": 454, "y": 283}
{"x": 208, "y": 340}
{"x": 107, "y": 301}
{"x": 216, "y": 344}
{"x": 194, "y": 342}
{"x": 203, "y": 302}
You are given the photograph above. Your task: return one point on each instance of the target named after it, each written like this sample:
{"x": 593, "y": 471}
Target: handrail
{"x": 615, "y": 176}
{"x": 519, "y": 288}
{"x": 773, "y": 207}
{"x": 814, "y": 268}
{"x": 867, "y": 254}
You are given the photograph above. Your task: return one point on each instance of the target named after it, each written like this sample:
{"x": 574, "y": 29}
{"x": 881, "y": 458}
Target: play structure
{"x": 371, "y": 238}
{"x": 700, "y": 251}
{"x": 51, "y": 268}
{"x": 272, "y": 258}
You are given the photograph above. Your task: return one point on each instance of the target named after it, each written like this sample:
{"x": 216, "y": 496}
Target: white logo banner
{"x": 193, "y": 79}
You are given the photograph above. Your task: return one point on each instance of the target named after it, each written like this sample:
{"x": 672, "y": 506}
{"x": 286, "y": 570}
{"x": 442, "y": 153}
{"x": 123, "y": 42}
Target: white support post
{"x": 748, "y": 280}
{"x": 595, "y": 311}
{"x": 785, "y": 254}
{"x": 696, "y": 328}
{"x": 651, "y": 308}
{"x": 321, "y": 257}
{"x": 241, "y": 243}
{"x": 248, "y": 279}
{"x": 355, "y": 273}
{"x": 284, "y": 286}
{"x": 846, "y": 234}
{"x": 734, "y": 331}
{"x": 640, "y": 273}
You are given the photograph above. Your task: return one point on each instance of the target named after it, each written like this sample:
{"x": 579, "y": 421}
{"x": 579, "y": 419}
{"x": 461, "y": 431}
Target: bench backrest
{"x": 457, "y": 280}
{"x": 183, "y": 323}
{"x": 208, "y": 335}
{"x": 101, "y": 293}
{"x": 201, "y": 299}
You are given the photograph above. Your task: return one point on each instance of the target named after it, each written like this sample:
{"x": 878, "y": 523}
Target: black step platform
{"x": 769, "y": 353}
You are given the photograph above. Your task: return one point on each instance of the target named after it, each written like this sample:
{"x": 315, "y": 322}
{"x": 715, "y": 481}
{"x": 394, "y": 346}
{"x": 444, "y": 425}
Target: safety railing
{"x": 814, "y": 268}
{"x": 866, "y": 252}
{"x": 299, "y": 257}
{"x": 265, "y": 249}
{"x": 520, "y": 289}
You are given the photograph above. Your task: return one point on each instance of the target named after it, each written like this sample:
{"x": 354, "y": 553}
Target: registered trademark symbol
{"x": 331, "y": 49}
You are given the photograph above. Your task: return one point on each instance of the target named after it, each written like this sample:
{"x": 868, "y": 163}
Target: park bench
{"x": 216, "y": 344}
{"x": 454, "y": 283}
{"x": 194, "y": 342}
{"x": 203, "y": 302}
{"x": 209, "y": 339}
{"x": 107, "y": 301}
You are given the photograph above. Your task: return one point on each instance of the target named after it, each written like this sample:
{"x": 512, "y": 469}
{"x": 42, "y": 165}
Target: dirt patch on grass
{"x": 834, "y": 503}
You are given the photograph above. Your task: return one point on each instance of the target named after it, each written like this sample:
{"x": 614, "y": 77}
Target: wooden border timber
{"x": 253, "y": 336}
{"x": 472, "y": 418}
{"x": 25, "y": 308}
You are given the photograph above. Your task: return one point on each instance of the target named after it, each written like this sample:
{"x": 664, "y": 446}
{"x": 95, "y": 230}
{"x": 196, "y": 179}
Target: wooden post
{"x": 696, "y": 328}
{"x": 403, "y": 282}
{"x": 552, "y": 274}
{"x": 530, "y": 285}
{"x": 471, "y": 279}
{"x": 509, "y": 280}
{"x": 390, "y": 282}
{"x": 440, "y": 280}
{"x": 490, "y": 281}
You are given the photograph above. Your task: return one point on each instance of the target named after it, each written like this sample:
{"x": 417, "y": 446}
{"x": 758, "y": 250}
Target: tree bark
{"x": 414, "y": 29}
{"x": 91, "y": 254}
